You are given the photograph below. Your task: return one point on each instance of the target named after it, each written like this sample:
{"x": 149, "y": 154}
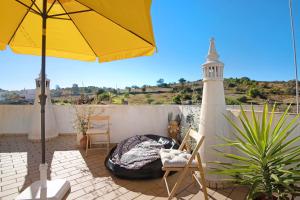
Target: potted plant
{"x": 173, "y": 126}
{"x": 266, "y": 158}
{"x": 81, "y": 121}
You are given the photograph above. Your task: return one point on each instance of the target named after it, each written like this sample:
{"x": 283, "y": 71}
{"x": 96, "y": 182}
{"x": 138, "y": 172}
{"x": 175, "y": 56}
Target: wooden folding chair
{"x": 99, "y": 125}
{"x": 180, "y": 160}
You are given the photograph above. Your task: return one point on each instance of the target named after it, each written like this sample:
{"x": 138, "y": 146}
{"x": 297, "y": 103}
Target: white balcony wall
{"x": 126, "y": 120}
{"x": 15, "y": 119}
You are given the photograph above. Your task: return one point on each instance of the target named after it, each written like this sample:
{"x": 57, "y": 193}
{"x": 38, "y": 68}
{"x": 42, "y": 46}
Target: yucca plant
{"x": 267, "y": 157}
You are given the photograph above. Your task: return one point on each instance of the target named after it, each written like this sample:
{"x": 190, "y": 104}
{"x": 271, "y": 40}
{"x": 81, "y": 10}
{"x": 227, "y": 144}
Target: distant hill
{"x": 237, "y": 91}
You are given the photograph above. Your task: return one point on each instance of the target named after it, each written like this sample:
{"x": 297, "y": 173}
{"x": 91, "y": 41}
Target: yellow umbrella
{"x": 85, "y": 30}
{"x": 78, "y": 29}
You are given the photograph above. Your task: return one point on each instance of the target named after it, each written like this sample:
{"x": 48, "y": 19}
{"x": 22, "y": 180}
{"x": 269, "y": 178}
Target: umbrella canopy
{"x": 78, "y": 29}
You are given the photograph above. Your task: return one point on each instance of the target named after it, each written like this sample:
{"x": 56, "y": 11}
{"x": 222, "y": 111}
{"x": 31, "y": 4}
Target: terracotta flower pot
{"x": 173, "y": 129}
{"x": 83, "y": 142}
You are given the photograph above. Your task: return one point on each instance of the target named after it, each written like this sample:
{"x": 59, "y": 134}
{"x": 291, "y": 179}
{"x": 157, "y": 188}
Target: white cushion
{"x": 175, "y": 158}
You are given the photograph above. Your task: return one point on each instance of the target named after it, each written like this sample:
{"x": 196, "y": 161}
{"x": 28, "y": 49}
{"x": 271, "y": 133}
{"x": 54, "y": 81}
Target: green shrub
{"x": 231, "y": 101}
{"x": 149, "y": 101}
{"x": 242, "y": 99}
{"x": 254, "y": 92}
{"x": 104, "y": 96}
{"x": 177, "y": 99}
{"x": 267, "y": 158}
{"x": 276, "y": 91}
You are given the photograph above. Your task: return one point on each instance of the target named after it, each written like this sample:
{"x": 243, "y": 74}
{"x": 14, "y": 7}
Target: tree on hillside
{"x": 182, "y": 81}
{"x": 128, "y": 89}
{"x": 144, "y": 88}
{"x": 57, "y": 91}
{"x": 100, "y": 91}
{"x": 75, "y": 89}
{"x": 160, "y": 82}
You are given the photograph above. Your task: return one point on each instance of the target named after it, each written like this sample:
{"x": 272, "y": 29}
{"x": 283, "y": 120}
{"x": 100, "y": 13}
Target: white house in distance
{"x": 28, "y": 94}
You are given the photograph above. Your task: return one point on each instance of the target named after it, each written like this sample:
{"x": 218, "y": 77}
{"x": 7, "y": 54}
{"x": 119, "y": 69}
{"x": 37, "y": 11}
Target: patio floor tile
{"x": 89, "y": 179}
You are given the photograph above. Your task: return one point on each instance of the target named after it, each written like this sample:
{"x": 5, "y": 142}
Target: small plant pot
{"x": 173, "y": 129}
{"x": 83, "y": 142}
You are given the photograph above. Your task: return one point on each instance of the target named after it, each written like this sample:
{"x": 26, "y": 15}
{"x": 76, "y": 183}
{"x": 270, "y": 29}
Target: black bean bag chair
{"x": 150, "y": 170}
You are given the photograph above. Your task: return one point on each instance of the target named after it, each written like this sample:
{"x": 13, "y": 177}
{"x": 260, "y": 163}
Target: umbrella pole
{"x": 43, "y": 189}
{"x": 43, "y": 97}
{"x": 43, "y": 74}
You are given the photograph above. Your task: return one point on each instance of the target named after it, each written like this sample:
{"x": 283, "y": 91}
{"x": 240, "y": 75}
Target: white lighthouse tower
{"x": 213, "y": 107}
{"x": 51, "y": 127}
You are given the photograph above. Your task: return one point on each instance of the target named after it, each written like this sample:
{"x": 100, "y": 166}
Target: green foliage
{"x": 291, "y": 90}
{"x": 256, "y": 92}
{"x": 150, "y": 101}
{"x": 231, "y": 85}
{"x": 104, "y": 96}
{"x": 239, "y": 89}
{"x": 242, "y": 99}
{"x": 182, "y": 81}
{"x": 160, "y": 81}
{"x": 231, "y": 101}
{"x": 82, "y": 118}
{"x": 177, "y": 99}
{"x": 126, "y": 94}
{"x": 267, "y": 157}
{"x": 144, "y": 87}
{"x": 196, "y": 98}
{"x": 185, "y": 96}
{"x": 75, "y": 89}
{"x": 253, "y": 92}
{"x": 276, "y": 91}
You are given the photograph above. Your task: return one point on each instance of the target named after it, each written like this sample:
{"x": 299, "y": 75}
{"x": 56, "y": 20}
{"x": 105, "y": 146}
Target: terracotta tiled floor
{"x": 20, "y": 158}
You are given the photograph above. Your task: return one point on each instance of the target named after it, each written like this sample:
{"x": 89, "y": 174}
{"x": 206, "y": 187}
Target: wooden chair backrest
{"x": 199, "y": 140}
{"x": 99, "y": 118}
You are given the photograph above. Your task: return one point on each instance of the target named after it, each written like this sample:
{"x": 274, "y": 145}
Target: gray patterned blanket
{"x": 137, "y": 151}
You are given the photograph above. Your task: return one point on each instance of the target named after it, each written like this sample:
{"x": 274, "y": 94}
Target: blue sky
{"x": 253, "y": 39}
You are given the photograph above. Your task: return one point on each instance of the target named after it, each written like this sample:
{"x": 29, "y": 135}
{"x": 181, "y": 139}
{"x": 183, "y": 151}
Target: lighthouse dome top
{"x": 212, "y": 56}
{"x": 212, "y": 68}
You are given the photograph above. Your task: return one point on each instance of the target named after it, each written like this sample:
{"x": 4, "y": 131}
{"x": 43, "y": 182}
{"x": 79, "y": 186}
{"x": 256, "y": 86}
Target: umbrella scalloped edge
{"x": 53, "y": 53}
{"x": 148, "y": 51}
{"x": 2, "y": 46}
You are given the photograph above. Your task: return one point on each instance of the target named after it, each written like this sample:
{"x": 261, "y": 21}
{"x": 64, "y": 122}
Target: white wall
{"x": 15, "y": 119}
{"x": 126, "y": 120}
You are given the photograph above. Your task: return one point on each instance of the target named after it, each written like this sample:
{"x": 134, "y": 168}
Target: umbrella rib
{"x": 59, "y": 18}
{"x": 29, "y": 9}
{"x": 78, "y": 29}
{"x": 117, "y": 24}
{"x": 70, "y": 13}
{"x": 33, "y": 1}
{"x": 51, "y": 6}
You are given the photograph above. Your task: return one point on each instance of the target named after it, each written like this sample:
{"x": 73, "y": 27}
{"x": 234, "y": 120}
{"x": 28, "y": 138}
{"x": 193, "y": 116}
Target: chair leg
{"x": 177, "y": 184}
{"x": 192, "y": 174}
{"x": 108, "y": 143}
{"x": 166, "y": 174}
{"x": 202, "y": 177}
{"x": 87, "y": 145}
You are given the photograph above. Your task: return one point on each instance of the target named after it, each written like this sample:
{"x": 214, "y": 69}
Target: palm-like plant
{"x": 267, "y": 158}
